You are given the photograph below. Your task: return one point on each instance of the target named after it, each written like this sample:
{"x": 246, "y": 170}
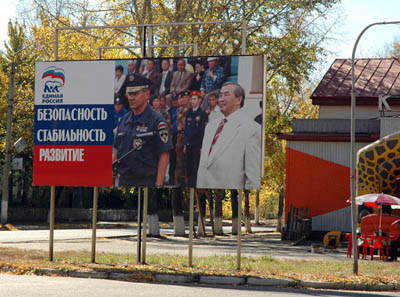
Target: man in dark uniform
{"x": 119, "y": 112}
{"x": 172, "y": 111}
{"x": 142, "y": 147}
{"x": 196, "y": 120}
{"x": 142, "y": 143}
{"x": 180, "y": 168}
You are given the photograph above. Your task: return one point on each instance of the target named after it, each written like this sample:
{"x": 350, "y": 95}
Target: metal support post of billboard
{"x": 139, "y": 230}
{"x": 239, "y": 230}
{"x": 191, "y": 226}
{"x": 240, "y": 196}
{"x": 143, "y": 41}
{"x": 100, "y": 49}
{"x": 264, "y": 116}
{"x": 195, "y": 49}
{"x": 143, "y": 26}
{"x": 353, "y": 147}
{"x": 176, "y": 45}
{"x": 52, "y": 188}
{"x": 145, "y": 207}
{"x": 257, "y": 208}
{"x": 244, "y": 36}
{"x": 56, "y": 44}
{"x": 94, "y": 222}
{"x": 149, "y": 37}
{"x": 52, "y": 209}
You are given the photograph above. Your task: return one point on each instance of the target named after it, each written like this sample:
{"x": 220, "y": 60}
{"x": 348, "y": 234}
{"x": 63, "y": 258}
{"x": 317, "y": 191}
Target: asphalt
{"x": 122, "y": 238}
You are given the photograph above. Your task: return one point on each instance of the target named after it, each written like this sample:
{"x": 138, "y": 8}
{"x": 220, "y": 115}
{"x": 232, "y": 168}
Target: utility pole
{"x": 6, "y": 168}
{"x": 353, "y": 152}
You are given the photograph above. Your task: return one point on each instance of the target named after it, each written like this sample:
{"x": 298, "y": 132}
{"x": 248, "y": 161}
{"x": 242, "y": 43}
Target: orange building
{"x": 318, "y": 150}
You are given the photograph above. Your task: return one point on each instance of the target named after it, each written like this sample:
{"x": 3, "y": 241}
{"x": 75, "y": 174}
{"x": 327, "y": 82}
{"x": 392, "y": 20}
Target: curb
{"x": 172, "y": 278}
{"x": 209, "y": 280}
{"x": 270, "y": 282}
{"x": 222, "y": 280}
{"x": 326, "y": 285}
{"x": 89, "y": 274}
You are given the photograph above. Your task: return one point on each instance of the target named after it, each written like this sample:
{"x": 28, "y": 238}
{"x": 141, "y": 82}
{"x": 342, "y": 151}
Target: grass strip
{"x": 371, "y": 272}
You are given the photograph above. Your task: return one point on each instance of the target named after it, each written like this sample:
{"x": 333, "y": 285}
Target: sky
{"x": 357, "y": 14}
{"x": 7, "y": 12}
{"x": 360, "y": 13}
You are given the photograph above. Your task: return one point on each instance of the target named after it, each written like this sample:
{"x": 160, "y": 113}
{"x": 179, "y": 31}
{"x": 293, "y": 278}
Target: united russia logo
{"x": 54, "y": 81}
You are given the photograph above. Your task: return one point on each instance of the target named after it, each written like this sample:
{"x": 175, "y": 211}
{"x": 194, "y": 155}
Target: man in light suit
{"x": 181, "y": 79}
{"x": 231, "y": 149}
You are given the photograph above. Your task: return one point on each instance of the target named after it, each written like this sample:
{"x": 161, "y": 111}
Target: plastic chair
{"x": 367, "y": 243}
{"x": 349, "y": 237}
{"x": 372, "y": 243}
{"x": 376, "y": 244}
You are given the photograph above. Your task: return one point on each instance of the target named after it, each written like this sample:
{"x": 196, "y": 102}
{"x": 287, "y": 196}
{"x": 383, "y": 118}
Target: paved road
{"x": 123, "y": 240}
{"x": 34, "y": 286}
{"x": 37, "y": 235}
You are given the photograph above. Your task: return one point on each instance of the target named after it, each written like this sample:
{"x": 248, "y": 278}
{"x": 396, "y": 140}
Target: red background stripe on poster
{"x": 95, "y": 169}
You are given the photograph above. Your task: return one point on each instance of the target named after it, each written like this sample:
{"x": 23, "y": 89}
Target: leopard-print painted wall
{"x": 378, "y": 164}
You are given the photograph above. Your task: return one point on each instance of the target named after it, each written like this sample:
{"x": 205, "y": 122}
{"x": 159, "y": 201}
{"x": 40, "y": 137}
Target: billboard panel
{"x": 150, "y": 122}
{"x": 73, "y": 123}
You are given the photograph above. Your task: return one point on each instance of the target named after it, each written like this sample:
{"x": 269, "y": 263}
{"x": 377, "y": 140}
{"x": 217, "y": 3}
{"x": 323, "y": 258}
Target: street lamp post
{"x": 352, "y": 146}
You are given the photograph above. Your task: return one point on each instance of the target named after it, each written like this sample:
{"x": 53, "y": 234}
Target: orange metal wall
{"x": 314, "y": 183}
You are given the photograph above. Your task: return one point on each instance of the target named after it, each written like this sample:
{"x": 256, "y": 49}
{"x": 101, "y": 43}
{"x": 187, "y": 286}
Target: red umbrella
{"x": 377, "y": 200}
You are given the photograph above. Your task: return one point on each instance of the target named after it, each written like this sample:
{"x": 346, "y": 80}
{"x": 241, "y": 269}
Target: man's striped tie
{"x": 219, "y": 130}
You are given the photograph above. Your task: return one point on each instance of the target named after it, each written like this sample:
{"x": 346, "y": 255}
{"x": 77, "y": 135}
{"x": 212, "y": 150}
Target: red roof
{"x": 374, "y": 77}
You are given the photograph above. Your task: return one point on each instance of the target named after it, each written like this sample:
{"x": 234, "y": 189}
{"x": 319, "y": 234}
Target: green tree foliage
{"x": 291, "y": 33}
{"x": 18, "y": 51}
{"x": 390, "y": 49}
{"x": 283, "y": 106}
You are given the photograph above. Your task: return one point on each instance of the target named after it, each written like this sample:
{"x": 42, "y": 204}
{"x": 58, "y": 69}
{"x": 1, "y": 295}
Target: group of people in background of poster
{"x": 185, "y": 122}
{"x": 181, "y": 122}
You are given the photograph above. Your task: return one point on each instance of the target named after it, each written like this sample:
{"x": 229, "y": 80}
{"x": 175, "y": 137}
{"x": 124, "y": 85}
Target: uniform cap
{"x": 117, "y": 100}
{"x": 195, "y": 93}
{"x": 211, "y": 59}
{"x": 137, "y": 83}
{"x": 185, "y": 93}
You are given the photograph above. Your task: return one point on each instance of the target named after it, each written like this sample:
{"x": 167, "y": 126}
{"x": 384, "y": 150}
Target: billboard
{"x": 149, "y": 122}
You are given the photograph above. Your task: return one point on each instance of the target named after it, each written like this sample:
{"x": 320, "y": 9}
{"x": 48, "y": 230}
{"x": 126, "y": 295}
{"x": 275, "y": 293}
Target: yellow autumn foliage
{"x": 268, "y": 205}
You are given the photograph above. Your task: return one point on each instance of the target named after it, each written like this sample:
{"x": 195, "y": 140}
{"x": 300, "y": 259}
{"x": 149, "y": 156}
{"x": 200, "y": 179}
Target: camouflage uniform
{"x": 180, "y": 169}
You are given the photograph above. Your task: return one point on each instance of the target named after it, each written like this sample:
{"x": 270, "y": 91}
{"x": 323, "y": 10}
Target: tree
{"x": 42, "y": 18}
{"x": 283, "y": 106}
{"x": 291, "y": 33}
{"x": 18, "y": 57}
{"x": 18, "y": 51}
{"x": 390, "y": 49}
